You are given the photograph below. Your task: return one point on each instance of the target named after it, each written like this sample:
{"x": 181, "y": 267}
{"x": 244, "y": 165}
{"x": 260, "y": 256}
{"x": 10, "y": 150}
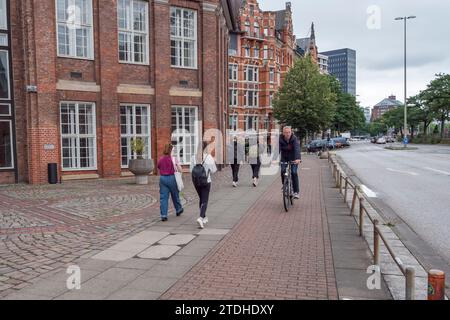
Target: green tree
{"x": 421, "y": 112}
{"x": 437, "y": 96}
{"x": 305, "y": 101}
{"x": 349, "y": 116}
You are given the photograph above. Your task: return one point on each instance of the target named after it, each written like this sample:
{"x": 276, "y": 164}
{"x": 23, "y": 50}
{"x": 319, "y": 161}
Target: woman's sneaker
{"x": 200, "y": 223}
{"x": 255, "y": 182}
{"x": 296, "y": 195}
{"x": 234, "y": 184}
{"x": 205, "y": 221}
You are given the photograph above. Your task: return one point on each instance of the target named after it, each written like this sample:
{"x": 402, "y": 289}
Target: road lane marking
{"x": 405, "y": 172}
{"x": 368, "y": 192}
{"x": 438, "y": 171}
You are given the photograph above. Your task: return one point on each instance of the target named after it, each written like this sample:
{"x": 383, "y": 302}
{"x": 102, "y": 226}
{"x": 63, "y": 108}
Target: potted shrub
{"x": 140, "y": 167}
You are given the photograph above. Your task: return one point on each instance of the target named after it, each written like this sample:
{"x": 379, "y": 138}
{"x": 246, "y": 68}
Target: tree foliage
{"x": 306, "y": 100}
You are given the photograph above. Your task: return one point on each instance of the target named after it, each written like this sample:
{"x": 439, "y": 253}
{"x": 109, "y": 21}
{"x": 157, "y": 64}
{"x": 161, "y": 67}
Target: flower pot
{"x": 141, "y": 168}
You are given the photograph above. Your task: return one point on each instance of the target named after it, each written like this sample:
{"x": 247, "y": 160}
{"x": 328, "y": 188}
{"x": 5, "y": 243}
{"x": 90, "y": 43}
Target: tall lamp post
{"x": 405, "y": 123}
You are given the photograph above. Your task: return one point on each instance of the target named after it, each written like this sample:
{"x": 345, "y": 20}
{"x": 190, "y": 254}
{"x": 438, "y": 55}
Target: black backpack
{"x": 199, "y": 176}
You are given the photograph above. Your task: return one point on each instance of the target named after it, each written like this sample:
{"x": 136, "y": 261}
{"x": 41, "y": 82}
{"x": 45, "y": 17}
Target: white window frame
{"x": 256, "y": 30}
{"x": 254, "y": 71}
{"x": 175, "y": 135}
{"x": 3, "y": 40}
{"x": 266, "y": 52}
{"x": 131, "y": 132}
{"x": 11, "y": 144}
{"x": 9, "y": 110}
{"x": 256, "y": 50}
{"x": 234, "y": 72}
{"x": 255, "y": 121}
{"x": 233, "y": 93}
{"x": 233, "y": 124}
{"x": 183, "y": 39}
{"x": 8, "y": 76}
{"x": 272, "y": 75}
{"x": 72, "y": 33}
{"x": 129, "y": 30}
{"x": 3, "y": 15}
{"x": 247, "y": 51}
{"x": 254, "y": 99}
{"x": 77, "y": 135}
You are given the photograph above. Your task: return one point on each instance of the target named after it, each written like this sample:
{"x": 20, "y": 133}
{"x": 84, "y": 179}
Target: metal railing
{"x": 343, "y": 182}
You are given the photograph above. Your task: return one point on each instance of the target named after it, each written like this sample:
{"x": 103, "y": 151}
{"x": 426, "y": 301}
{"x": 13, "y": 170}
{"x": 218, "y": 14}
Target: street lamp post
{"x": 405, "y": 123}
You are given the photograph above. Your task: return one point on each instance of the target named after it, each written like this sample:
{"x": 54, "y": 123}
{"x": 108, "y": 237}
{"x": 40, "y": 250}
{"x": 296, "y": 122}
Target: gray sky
{"x": 379, "y": 52}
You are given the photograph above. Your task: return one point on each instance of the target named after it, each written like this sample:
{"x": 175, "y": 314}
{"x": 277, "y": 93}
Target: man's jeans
{"x": 294, "y": 176}
{"x": 168, "y": 185}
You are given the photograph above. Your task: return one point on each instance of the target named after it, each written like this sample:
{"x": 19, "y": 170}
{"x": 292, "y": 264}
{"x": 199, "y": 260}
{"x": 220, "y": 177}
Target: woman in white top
{"x": 209, "y": 164}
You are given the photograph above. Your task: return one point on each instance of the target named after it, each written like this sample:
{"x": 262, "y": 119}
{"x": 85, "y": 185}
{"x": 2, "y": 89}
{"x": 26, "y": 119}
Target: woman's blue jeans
{"x": 168, "y": 186}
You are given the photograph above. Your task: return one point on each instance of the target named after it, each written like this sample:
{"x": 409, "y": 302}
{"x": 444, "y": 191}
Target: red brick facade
{"x": 107, "y": 83}
{"x": 269, "y": 36}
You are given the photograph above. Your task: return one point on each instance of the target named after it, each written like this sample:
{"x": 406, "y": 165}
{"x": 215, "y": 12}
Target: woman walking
{"x": 202, "y": 167}
{"x": 168, "y": 184}
{"x": 235, "y": 157}
{"x": 254, "y": 157}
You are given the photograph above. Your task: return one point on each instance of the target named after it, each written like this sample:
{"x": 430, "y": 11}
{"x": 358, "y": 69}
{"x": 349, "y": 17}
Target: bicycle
{"x": 288, "y": 195}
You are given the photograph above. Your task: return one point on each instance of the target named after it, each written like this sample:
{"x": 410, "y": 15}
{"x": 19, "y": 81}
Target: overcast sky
{"x": 379, "y": 51}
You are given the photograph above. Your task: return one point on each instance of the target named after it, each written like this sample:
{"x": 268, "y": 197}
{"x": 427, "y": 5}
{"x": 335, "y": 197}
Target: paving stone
{"x": 177, "y": 240}
{"x": 159, "y": 252}
{"x": 133, "y": 294}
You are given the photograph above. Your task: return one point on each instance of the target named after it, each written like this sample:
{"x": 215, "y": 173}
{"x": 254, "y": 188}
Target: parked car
{"x": 390, "y": 139}
{"x": 373, "y": 140}
{"x": 341, "y": 142}
{"x": 320, "y": 145}
{"x": 381, "y": 140}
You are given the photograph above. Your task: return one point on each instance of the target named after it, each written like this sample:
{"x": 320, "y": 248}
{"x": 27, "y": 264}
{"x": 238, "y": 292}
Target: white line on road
{"x": 405, "y": 172}
{"x": 368, "y": 192}
{"x": 438, "y": 171}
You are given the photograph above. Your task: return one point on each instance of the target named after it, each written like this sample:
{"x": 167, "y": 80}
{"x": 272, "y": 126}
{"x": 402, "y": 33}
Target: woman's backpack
{"x": 199, "y": 175}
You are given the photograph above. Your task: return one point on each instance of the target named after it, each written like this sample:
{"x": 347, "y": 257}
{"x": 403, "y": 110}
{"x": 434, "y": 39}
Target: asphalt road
{"x": 415, "y": 184}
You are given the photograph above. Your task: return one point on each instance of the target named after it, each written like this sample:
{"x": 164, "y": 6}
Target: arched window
{"x": 256, "y": 29}
{"x": 247, "y": 26}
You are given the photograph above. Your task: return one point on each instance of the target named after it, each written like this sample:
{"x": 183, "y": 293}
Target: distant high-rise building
{"x": 367, "y": 113}
{"x": 342, "y": 65}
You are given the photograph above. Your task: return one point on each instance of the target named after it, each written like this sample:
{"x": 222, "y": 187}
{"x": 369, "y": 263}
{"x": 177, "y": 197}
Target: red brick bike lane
{"x": 270, "y": 254}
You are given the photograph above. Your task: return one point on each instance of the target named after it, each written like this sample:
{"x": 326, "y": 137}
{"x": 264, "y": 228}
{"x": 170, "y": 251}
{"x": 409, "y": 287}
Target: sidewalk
{"x": 251, "y": 249}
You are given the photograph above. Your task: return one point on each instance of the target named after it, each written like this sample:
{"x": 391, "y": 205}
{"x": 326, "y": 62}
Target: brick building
{"x": 80, "y": 79}
{"x": 384, "y": 106}
{"x": 261, "y": 53}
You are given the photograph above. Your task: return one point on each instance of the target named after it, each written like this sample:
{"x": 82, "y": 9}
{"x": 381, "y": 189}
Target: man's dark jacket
{"x": 290, "y": 150}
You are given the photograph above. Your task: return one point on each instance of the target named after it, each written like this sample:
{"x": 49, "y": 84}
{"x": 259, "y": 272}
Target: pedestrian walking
{"x": 167, "y": 183}
{"x": 235, "y": 155}
{"x": 254, "y": 157}
{"x": 202, "y": 166}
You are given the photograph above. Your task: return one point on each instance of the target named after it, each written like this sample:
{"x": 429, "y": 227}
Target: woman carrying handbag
{"x": 168, "y": 183}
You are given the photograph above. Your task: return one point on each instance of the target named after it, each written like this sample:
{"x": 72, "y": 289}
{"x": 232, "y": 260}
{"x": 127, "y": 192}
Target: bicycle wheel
{"x": 286, "y": 195}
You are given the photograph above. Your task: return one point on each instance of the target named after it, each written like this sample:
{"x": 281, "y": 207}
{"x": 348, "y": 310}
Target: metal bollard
{"x": 346, "y": 187}
{"x": 361, "y": 217}
{"x": 340, "y": 183}
{"x": 436, "y": 285}
{"x": 337, "y": 178}
{"x": 376, "y": 243}
{"x": 410, "y": 293}
{"x": 353, "y": 201}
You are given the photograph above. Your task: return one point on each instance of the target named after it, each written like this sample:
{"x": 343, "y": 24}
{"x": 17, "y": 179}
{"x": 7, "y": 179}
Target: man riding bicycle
{"x": 290, "y": 152}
